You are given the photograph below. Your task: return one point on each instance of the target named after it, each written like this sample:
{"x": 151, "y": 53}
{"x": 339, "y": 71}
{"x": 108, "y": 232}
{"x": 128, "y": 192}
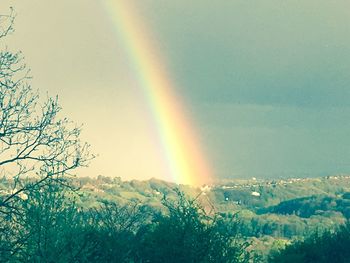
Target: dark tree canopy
{"x": 322, "y": 248}
{"x": 186, "y": 233}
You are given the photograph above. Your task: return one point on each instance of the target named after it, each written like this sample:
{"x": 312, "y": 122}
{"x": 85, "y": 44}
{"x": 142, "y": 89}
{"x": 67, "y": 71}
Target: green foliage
{"x": 112, "y": 231}
{"x": 103, "y": 205}
{"x": 46, "y": 227}
{"x": 187, "y": 234}
{"x": 321, "y": 248}
{"x": 50, "y": 226}
{"x": 308, "y": 206}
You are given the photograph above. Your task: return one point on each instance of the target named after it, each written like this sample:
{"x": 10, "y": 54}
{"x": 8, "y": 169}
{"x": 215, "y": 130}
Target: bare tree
{"x": 35, "y": 142}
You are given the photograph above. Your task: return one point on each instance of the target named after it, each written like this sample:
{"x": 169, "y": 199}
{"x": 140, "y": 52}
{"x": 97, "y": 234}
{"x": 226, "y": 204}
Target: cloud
{"x": 271, "y": 52}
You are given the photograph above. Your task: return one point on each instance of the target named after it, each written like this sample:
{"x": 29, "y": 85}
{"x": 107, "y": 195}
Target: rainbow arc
{"x": 185, "y": 159}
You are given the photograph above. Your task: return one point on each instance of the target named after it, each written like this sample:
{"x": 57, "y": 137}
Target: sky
{"x": 266, "y": 83}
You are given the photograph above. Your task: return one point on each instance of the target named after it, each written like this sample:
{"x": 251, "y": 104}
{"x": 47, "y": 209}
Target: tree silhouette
{"x": 188, "y": 234}
{"x": 325, "y": 247}
{"x": 35, "y": 143}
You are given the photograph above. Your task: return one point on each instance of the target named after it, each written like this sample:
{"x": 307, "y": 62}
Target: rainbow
{"x": 184, "y": 156}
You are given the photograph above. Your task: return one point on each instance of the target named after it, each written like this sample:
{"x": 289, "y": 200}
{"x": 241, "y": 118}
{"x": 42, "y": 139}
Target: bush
{"x": 187, "y": 234}
{"x": 321, "y": 248}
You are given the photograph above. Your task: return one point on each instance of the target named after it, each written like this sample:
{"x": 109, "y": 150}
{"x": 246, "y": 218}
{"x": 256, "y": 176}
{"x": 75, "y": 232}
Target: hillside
{"x": 271, "y": 212}
{"x": 235, "y": 194}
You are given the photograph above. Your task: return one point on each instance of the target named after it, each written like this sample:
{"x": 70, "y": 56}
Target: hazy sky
{"x": 267, "y": 81}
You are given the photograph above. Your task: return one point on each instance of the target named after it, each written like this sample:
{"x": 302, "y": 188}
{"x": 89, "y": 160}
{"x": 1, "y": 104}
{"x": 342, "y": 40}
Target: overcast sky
{"x": 267, "y": 81}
